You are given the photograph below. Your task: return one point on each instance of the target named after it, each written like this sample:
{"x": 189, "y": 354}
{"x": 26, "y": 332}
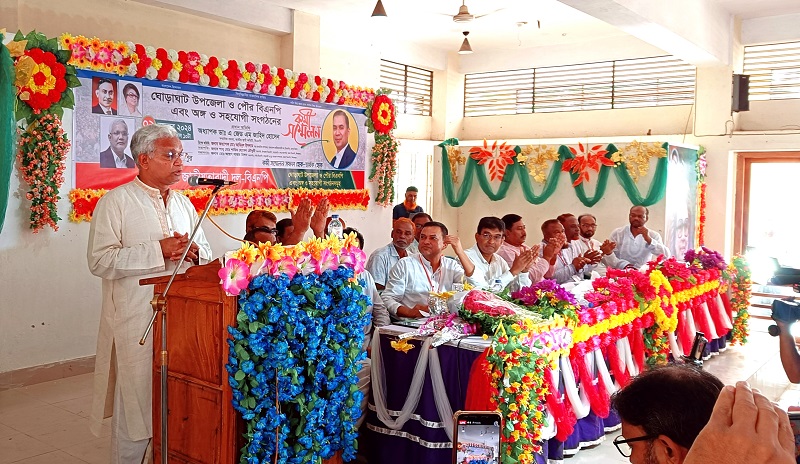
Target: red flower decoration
{"x": 383, "y": 114}
{"x": 46, "y": 83}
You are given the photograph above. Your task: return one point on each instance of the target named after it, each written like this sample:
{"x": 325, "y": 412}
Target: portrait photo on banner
{"x": 115, "y": 140}
{"x": 681, "y": 200}
{"x": 130, "y": 99}
{"x": 104, "y": 99}
{"x": 339, "y": 139}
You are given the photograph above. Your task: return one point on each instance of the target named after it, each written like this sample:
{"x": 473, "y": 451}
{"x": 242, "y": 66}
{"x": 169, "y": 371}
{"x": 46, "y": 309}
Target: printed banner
{"x": 681, "y": 200}
{"x": 258, "y": 141}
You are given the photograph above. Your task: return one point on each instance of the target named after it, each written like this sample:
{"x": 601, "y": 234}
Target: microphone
{"x": 194, "y": 181}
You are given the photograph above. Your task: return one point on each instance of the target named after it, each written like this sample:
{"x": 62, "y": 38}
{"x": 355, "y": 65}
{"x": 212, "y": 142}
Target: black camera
{"x": 695, "y": 357}
{"x": 786, "y": 310}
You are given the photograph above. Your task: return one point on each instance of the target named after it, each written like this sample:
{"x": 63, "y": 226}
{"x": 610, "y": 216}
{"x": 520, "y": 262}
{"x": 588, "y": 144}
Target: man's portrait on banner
{"x": 104, "y": 96}
{"x": 117, "y": 131}
{"x": 340, "y": 143}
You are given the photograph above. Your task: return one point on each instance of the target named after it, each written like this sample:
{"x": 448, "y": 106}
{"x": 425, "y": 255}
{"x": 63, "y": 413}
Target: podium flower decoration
{"x": 740, "y": 298}
{"x": 296, "y": 348}
{"x": 314, "y": 256}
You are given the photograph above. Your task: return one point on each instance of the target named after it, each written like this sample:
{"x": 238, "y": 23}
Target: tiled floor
{"x": 48, "y": 422}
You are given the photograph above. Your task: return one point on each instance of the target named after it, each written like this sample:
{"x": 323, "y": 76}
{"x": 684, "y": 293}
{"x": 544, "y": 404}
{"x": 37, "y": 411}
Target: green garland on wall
{"x": 458, "y": 196}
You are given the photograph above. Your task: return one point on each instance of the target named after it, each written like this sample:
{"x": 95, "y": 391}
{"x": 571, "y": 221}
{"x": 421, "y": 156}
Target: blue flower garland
{"x": 305, "y": 336}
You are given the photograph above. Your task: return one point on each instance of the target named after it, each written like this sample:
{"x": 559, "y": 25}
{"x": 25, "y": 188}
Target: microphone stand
{"x": 159, "y": 304}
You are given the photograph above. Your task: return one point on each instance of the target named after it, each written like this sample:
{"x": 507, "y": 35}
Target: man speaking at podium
{"x": 138, "y": 229}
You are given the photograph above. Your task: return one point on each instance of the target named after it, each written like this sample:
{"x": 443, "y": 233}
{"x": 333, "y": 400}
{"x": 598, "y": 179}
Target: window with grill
{"x": 656, "y": 81}
{"x": 412, "y": 88}
{"x": 774, "y": 70}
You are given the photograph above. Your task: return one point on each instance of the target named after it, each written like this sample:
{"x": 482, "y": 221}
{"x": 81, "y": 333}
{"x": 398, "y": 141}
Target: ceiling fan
{"x": 464, "y": 16}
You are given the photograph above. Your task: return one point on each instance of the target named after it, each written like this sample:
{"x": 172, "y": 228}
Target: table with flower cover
{"x": 549, "y": 369}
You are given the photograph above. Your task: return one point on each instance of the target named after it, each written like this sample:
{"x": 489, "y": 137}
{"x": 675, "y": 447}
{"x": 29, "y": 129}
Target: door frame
{"x": 744, "y": 162}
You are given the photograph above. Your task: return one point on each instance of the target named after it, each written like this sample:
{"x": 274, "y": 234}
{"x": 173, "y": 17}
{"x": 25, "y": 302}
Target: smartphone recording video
{"x": 476, "y": 437}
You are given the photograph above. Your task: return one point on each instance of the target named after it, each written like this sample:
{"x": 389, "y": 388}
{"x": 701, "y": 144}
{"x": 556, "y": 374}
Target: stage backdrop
{"x": 681, "y": 200}
{"x": 259, "y": 141}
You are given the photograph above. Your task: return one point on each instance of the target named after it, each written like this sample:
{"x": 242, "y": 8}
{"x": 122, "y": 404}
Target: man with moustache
{"x": 106, "y": 89}
{"x": 513, "y": 245}
{"x": 414, "y": 278}
{"x": 636, "y": 244}
{"x": 489, "y": 266}
{"x": 114, "y": 156}
{"x": 567, "y": 262}
{"x": 572, "y": 231}
{"x": 138, "y": 230}
{"x": 586, "y": 243}
{"x": 383, "y": 259}
{"x": 341, "y": 139}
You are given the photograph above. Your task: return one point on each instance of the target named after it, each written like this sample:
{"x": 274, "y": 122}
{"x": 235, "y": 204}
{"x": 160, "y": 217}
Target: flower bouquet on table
{"x": 295, "y": 349}
{"x": 705, "y": 258}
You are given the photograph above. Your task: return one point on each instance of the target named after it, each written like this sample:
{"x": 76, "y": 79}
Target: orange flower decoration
{"x": 496, "y": 158}
{"x": 584, "y": 160}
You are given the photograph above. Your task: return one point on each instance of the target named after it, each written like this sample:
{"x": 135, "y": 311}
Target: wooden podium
{"x": 203, "y": 427}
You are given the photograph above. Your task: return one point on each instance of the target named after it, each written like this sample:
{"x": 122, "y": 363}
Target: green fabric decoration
{"x": 457, "y": 198}
{"x": 658, "y": 187}
{"x": 7, "y": 127}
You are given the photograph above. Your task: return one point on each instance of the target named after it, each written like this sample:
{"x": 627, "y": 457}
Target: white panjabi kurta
{"x": 487, "y": 272}
{"x": 563, "y": 270}
{"x": 635, "y": 250}
{"x": 127, "y": 225}
{"x": 412, "y": 280}
{"x": 608, "y": 260}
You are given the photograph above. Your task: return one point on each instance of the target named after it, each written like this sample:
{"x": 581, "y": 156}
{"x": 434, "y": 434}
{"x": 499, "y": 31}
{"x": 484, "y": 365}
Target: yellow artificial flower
{"x": 402, "y": 345}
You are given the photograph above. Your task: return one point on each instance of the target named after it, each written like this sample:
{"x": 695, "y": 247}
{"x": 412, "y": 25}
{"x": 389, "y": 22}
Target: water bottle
{"x": 497, "y": 286}
{"x": 335, "y": 226}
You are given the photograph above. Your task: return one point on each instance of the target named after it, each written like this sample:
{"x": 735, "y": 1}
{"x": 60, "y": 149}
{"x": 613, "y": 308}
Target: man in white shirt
{"x": 414, "y": 278}
{"x": 586, "y": 242}
{"x": 489, "y": 266}
{"x": 514, "y": 245}
{"x": 381, "y": 260}
{"x": 138, "y": 230}
{"x": 114, "y": 156}
{"x": 568, "y": 261}
{"x": 636, "y": 244}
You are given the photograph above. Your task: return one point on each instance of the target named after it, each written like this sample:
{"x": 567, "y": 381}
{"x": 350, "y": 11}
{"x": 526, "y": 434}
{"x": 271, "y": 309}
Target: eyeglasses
{"x": 495, "y": 237}
{"x": 173, "y": 156}
{"x": 624, "y": 448}
{"x": 272, "y": 231}
{"x": 131, "y": 95}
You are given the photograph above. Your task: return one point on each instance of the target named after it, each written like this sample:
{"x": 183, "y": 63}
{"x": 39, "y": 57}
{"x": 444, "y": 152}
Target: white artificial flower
{"x": 242, "y": 84}
{"x": 223, "y": 82}
{"x": 151, "y": 73}
{"x": 203, "y": 59}
{"x": 173, "y": 75}
{"x": 287, "y": 91}
{"x": 204, "y": 79}
{"x": 302, "y": 95}
{"x": 271, "y": 89}
{"x": 172, "y": 55}
{"x": 131, "y": 46}
{"x": 273, "y": 70}
{"x": 131, "y": 69}
{"x": 150, "y": 51}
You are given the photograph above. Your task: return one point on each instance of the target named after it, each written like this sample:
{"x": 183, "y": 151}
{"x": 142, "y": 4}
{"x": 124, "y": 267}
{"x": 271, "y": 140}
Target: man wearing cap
{"x": 408, "y": 207}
